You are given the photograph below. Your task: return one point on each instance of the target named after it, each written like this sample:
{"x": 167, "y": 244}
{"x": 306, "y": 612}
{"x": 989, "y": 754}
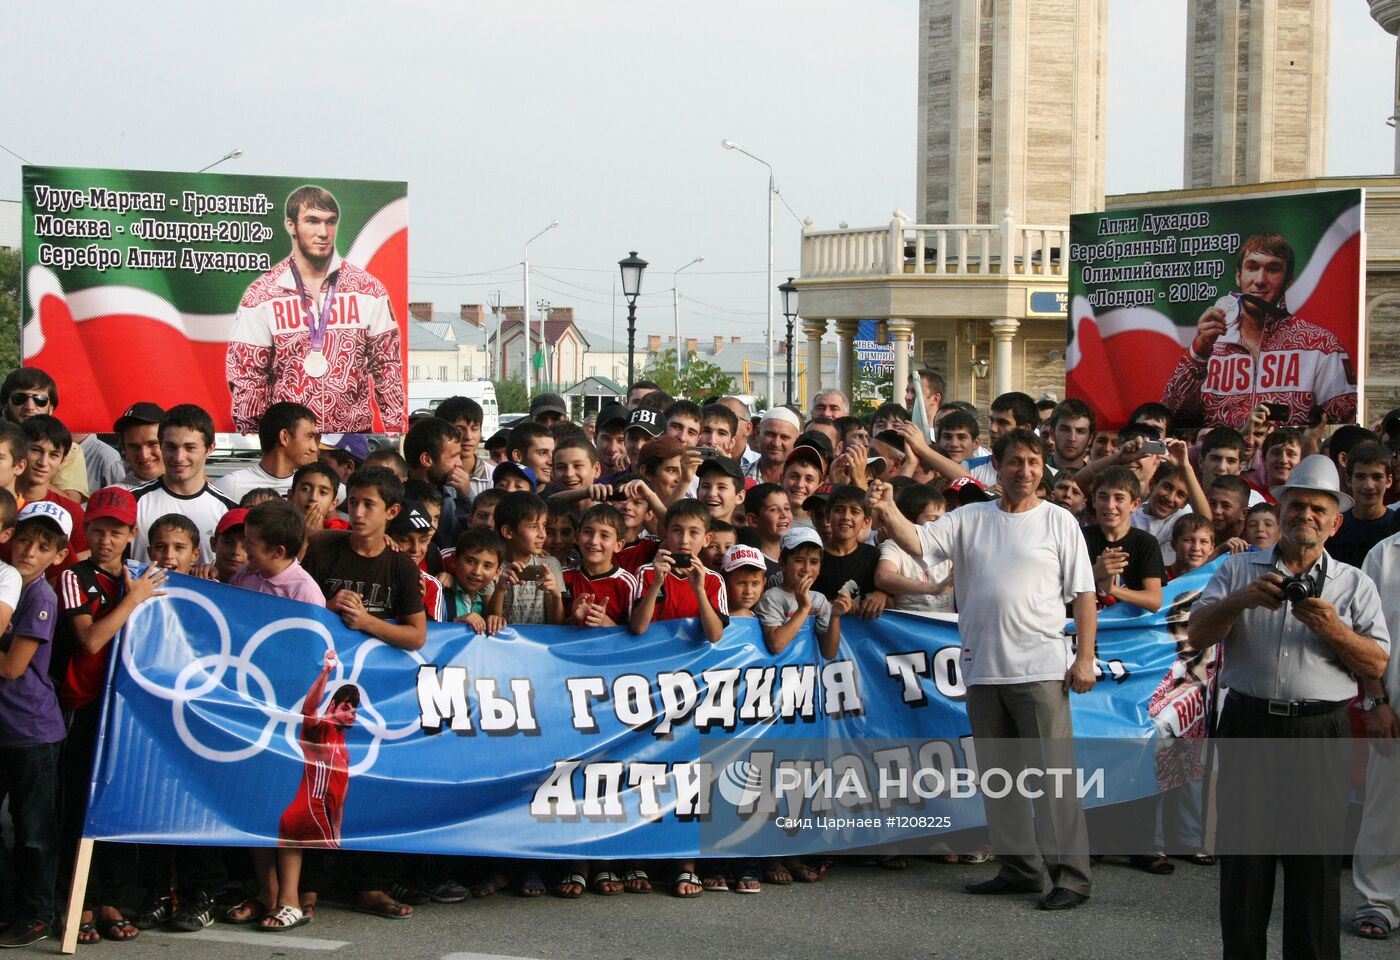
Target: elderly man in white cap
{"x": 777, "y": 432}
{"x": 1297, "y": 630}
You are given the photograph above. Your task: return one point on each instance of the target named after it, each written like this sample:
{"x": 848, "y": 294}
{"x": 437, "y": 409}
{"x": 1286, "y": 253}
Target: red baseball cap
{"x": 234, "y": 518}
{"x": 114, "y": 502}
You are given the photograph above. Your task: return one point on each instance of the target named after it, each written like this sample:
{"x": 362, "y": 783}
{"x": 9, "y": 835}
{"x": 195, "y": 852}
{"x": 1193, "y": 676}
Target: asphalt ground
{"x": 864, "y": 912}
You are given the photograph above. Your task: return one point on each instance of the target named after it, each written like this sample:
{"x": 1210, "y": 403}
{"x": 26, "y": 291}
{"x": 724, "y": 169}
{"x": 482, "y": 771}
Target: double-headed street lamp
{"x": 772, "y": 195}
{"x": 676, "y": 311}
{"x": 789, "y": 292}
{"x": 233, "y": 154}
{"x": 525, "y": 307}
{"x": 632, "y": 267}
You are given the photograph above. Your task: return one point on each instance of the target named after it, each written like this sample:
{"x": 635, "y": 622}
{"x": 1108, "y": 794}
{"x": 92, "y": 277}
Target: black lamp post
{"x": 632, "y": 267}
{"x": 789, "y": 292}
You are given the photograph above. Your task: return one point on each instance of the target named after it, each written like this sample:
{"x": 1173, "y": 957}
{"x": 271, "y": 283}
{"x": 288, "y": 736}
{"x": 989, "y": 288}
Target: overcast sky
{"x": 604, "y": 114}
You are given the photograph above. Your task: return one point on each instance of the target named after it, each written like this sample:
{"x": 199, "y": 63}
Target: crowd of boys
{"x": 652, "y": 509}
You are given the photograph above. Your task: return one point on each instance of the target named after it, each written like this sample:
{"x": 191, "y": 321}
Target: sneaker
{"x": 449, "y": 891}
{"x": 153, "y": 912}
{"x": 22, "y": 933}
{"x": 195, "y": 913}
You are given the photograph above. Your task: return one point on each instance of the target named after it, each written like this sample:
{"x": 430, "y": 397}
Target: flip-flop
{"x": 384, "y": 909}
{"x": 285, "y": 918}
{"x": 631, "y": 876}
{"x": 88, "y": 928}
{"x": 690, "y": 878}
{"x": 105, "y": 927}
{"x": 573, "y": 879}
{"x": 532, "y": 886}
{"x": 605, "y": 876}
{"x": 748, "y": 876}
{"x": 492, "y": 885}
{"x": 260, "y": 910}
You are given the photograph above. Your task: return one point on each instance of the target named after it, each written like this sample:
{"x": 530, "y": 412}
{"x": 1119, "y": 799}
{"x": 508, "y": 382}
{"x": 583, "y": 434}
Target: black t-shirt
{"x": 858, "y": 565}
{"x": 1144, "y": 554}
{"x": 1356, "y": 537}
{"x": 389, "y": 582}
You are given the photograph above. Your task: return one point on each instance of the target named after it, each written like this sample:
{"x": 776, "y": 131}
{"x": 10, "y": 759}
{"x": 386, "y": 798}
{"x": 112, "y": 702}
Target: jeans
{"x": 29, "y": 778}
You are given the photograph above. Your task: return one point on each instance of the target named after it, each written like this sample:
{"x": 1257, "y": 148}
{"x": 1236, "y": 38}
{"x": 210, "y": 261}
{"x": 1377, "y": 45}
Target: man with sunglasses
{"x": 29, "y": 391}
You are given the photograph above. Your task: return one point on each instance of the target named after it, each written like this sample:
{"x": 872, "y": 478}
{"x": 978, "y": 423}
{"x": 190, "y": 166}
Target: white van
{"x": 427, "y": 394}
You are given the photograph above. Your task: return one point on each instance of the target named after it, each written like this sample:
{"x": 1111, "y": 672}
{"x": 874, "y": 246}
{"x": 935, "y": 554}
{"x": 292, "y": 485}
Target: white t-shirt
{"x": 236, "y": 484}
{"x": 985, "y": 474}
{"x": 1161, "y": 529}
{"x": 1015, "y": 573}
{"x": 911, "y": 567}
{"x": 10, "y": 586}
{"x": 154, "y": 501}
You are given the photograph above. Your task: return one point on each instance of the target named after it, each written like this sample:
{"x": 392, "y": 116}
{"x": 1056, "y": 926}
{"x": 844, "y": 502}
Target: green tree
{"x": 9, "y": 310}
{"x": 698, "y": 378}
{"x": 510, "y": 396}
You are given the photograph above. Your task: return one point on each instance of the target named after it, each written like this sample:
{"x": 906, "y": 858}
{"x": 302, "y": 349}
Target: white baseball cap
{"x": 50, "y": 511}
{"x": 801, "y": 536}
{"x": 741, "y": 555}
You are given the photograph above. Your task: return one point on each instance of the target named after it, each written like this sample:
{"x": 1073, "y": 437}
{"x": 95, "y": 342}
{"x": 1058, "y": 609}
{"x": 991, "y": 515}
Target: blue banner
{"x": 565, "y": 743}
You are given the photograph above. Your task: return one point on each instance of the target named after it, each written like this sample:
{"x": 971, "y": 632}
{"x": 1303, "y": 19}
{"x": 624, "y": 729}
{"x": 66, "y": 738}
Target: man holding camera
{"x": 1298, "y": 629}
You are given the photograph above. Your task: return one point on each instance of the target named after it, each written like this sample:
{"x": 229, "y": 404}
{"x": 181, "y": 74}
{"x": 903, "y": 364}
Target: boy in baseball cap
{"x": 227, "y": 543}
{"x": 784, "y": 608}
{"x": 96, "y": 596}
{"x": 745, "y": 573}
{"x": 31, "y": 725}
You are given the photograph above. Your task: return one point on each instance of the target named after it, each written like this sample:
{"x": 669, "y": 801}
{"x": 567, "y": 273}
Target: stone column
{"x": 814, "y": 330}
{"x": 1003, "y": 332}
{"x": 846, "y": 355}
{"x": 901, "y": 333}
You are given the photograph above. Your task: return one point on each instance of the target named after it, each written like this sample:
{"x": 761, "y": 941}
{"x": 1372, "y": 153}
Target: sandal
{"x": 386, "y": 909}
{"x": 493, "y": 884}
{"x": 803, "y": 873}
{"x": 1380, "y": 926}
{"x": 285, "y": 918}
{"x": 413, "y": 896}
{"x": 715, "y": 883}
{"x": 776, "y": 874}
{"x": 687, "y": 878}
{"x": 532, "y": 886}
{"x": 254, "y": 910}
{"x": 636, "y": 881}
{"x": 1202, "y": 859}
{"x": 87, "y": 933}
{"x": 561, "y": 889}
{"x": 604, "y": 879}
{"x": 107, "y": 928}
{"x": 748, "y": 882}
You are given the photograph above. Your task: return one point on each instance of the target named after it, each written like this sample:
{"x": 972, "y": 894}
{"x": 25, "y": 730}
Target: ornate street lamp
{"x": 789, "y": 292}
{"x": 632, "y": 267}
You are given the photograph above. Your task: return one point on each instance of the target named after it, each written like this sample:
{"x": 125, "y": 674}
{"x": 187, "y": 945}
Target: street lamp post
{"x": 632, "y": 267}
{"x": 789, "y": 292}
{"x": 543, "y": 305}
{"x": 772, "y": 195}
{"x": 525, "y": 303}
{"x": 676, "y": 310}
{"x": 233, "y": 154}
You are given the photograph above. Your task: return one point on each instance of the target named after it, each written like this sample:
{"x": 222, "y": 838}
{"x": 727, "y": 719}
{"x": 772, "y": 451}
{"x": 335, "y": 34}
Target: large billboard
{"x": 208, "y": 288}
{"x": 1216, "y": 308}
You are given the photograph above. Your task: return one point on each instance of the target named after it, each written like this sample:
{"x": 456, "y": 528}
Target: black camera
{"x": 681, "y": 560}
{"x": 1304, "y": 586}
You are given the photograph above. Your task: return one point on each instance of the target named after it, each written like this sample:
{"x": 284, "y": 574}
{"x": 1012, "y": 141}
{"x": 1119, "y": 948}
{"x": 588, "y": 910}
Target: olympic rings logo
{"x": 157, "y": 621}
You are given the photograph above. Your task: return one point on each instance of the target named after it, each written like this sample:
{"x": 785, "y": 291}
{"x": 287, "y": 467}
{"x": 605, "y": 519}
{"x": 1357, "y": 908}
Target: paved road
{"x": 869, "y": 913}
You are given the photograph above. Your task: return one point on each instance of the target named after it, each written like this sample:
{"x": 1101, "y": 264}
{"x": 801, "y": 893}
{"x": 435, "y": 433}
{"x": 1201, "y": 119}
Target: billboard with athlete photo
{"x": 233, "y": 292}
{"x": 1216, "y": 308}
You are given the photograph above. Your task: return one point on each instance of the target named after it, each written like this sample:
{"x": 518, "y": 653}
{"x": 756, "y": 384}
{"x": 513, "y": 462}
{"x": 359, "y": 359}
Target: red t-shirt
{"x": 678, "y": 599}
{"x": 617, "y": 588}
{"x": 639, "y": 553}
{"x": 84, "y": 589}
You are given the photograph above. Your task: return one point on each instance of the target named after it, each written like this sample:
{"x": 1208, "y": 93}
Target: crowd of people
{"x": 653, "y": 508}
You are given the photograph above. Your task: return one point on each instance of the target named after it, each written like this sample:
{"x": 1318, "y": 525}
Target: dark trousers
{"x": 1265, "y": 805}
{"x": 1015, "y": 726}
{"x": 29, "y": 778}
{"x": 113, "y": 865}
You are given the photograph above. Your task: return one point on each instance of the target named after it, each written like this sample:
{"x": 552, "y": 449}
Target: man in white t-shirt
{"x": 1017, "y": 663}
{"x": 289, "y": 440}
{"x": 186, "y": 437}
